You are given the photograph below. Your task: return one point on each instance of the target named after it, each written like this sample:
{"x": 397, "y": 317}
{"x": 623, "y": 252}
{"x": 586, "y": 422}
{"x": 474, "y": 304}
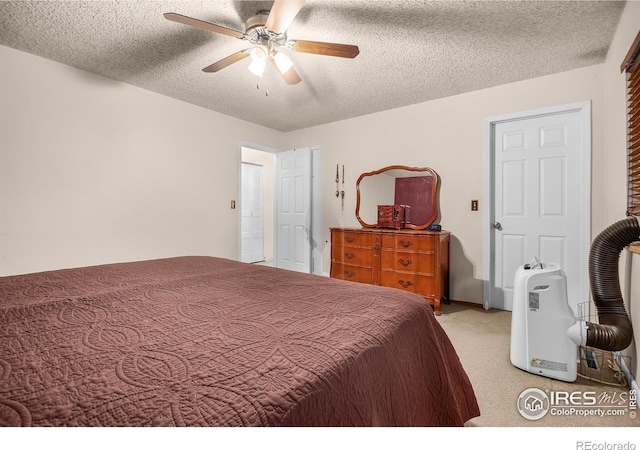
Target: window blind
{"x": 631, "y": 66}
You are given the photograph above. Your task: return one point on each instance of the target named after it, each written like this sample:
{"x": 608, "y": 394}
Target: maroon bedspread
{"x": 201, "y": 341}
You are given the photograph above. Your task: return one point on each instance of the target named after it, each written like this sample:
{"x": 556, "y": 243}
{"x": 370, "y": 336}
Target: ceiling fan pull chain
{"x": 266, "y": 91}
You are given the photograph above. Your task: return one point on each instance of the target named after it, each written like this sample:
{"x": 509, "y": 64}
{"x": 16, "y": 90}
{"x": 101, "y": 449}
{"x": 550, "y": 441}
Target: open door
{"x": 293, "y": 210}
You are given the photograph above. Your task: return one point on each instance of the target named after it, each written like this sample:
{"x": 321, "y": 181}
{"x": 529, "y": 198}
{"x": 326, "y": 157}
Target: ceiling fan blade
{"x": 202, "y": 25}
{"x": 282, "y": 14}
{"x": 325, "y": 48}
{"x": 290, "y": 76}
{"x": 216, "y": 66}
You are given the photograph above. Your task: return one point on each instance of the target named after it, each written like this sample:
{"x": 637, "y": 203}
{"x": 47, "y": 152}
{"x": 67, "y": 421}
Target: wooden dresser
{"x": 413, "y": 260}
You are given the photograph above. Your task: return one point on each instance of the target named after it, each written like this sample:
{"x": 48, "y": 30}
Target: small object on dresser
{"x": 392, "y": 216}
{"x": 434, "y": 227}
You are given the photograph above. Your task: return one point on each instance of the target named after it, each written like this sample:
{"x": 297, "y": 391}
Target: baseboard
{"x": 622, "y": 363}
{"x": 463, "y": 302}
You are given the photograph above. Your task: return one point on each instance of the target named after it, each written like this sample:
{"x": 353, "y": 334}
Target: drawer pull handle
{"x": 377, "y": 247}
{"x": 349, "y": 255}
{"x": 349, "y": 274}
{"x": 405, "y": 284}
{"x": 349, "y": 239}
{"x": 405, "y": 263}
{"x": 406, "y": 244}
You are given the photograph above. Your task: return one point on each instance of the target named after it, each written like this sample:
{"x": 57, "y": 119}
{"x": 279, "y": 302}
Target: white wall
{"x": 93, "y": 170}
{"x": 446, "y": 135}
{"x": 614, "y": 163}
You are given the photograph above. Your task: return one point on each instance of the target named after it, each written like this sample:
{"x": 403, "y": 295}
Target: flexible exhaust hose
{"x": 614, "y": 332}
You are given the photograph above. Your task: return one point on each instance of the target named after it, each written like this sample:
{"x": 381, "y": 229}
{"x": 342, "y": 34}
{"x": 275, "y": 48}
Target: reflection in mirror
{"x": 398, "y": 185}
{"x": 374, "y": 191}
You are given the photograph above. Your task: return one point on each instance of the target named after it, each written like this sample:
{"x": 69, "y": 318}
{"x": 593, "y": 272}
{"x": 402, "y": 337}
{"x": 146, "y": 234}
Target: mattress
{"x": 204, "y": 341}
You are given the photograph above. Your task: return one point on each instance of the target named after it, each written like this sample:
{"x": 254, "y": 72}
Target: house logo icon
{"x": 533, "y": 404}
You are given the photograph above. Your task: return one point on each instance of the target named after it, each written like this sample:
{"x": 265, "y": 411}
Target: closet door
{"x": 252, "y": 224}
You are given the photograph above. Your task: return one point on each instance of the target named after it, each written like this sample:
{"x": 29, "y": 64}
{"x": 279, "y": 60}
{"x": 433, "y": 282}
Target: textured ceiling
{"x": 411, "y": 51}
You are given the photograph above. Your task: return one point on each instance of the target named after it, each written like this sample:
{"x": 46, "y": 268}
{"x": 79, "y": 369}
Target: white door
{"x": 251, "y": 235}
{"x": 540, "y": 209}
{"x": 293, "y": 210}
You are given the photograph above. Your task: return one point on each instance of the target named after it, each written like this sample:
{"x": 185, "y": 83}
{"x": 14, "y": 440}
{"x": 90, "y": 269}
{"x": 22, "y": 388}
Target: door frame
{"x": 316, "y": 210}
{"x": 584, "y": 109}
{"x": 316, "y": 203}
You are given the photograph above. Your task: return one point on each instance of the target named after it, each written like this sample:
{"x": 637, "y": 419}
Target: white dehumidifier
{"x": 540, "y": 321}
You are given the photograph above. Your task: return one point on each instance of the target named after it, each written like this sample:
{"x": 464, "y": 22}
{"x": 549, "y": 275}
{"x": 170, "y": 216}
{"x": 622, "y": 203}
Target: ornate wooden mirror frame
{"x": 430, "y": 198}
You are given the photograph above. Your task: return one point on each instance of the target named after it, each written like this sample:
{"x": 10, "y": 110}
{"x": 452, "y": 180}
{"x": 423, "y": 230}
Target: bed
{"x": 204, "y": 341}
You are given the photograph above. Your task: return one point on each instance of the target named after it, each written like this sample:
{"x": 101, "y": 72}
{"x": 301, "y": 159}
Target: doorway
{"x": 304, "y": 253}
{"x": 538, "y": 172}
{"x": 257, "y": 199}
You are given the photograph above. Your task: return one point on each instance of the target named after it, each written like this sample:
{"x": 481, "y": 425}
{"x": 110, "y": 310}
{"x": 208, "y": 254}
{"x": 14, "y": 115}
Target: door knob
{"x": 497, "y": 225}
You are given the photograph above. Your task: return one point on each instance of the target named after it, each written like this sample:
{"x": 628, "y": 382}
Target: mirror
{"x": 416, "y": 187}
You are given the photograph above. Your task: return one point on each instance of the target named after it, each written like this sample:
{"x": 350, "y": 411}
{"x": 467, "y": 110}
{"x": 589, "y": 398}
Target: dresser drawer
{"x": 352, "y": 273}
{"x": 351, "y": 239}
{"x": 409, "y": 242}
{"x": 424, "y": 285}
{"x": 424, "y": 262}
{"x": 353, "y": 256}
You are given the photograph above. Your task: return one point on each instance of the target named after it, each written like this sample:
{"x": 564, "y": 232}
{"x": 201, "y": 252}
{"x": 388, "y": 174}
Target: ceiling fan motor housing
{"x": 258, "y": 34}
{"x": 259, "y": 20}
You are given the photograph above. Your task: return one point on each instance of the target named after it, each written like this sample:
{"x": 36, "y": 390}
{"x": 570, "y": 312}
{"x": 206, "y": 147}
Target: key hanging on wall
{"x": 337, "y": 180}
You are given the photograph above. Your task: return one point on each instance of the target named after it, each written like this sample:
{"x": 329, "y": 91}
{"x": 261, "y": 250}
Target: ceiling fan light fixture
{"x": 266, "y": 32}
{"x": 258, "y": 61}
{"x": 283, "y": 62}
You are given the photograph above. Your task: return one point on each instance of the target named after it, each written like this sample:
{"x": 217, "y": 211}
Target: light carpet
{"x": 482, "y": 340}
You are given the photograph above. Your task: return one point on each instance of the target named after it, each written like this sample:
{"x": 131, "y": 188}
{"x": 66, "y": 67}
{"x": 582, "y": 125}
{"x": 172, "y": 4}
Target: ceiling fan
{"x": 267, "y": 32}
